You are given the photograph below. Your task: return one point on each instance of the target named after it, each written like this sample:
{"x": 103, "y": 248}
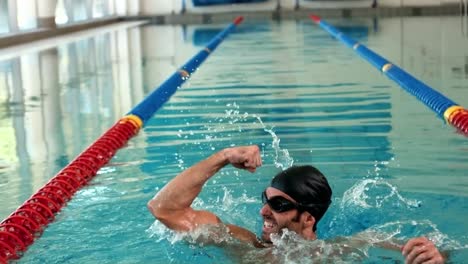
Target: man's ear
{"x": 308, "y": 220}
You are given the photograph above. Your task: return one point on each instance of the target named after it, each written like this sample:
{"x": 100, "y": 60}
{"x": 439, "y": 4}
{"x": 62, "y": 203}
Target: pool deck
{"x": 9, "y": 40}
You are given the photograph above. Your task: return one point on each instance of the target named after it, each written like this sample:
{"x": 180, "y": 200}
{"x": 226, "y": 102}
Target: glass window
{"x": 4, "y": 28}
{"x": 61, "y": 14}
{"x": 100, "y": 8}
{"x": 70, "y": 11}
{"x": 27, "y": 14}
{"x": 79, "y": 10}
{"x": 121, "y": 7}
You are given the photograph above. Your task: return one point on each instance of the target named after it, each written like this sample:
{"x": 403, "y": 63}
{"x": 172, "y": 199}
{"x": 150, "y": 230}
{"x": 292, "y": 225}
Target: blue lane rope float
{"x": 25, "y": 224}
{"x": 443, "y": 106}
{"x": 158, "y": 97}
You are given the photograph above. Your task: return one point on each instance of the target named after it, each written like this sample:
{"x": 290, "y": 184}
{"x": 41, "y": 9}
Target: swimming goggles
{"x": 280, "y": 204}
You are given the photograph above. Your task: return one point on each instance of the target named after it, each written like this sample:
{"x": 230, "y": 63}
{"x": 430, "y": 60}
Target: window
{"x": 100, "y": 8}
{"x": 4, "y": 28}
{"x": 26, "y": 14}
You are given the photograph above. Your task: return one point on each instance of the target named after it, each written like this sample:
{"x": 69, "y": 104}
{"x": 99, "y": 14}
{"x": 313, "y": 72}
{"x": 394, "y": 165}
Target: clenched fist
{"x": 245, "y": 157}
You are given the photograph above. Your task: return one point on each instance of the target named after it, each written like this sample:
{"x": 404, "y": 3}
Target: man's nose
{"x": 266, "y": 210}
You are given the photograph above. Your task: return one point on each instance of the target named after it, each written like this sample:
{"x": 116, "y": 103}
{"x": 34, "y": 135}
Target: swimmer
{"x": 296, "y": 200}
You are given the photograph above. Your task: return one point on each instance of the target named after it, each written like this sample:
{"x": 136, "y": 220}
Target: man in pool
{"x": 296, "y": 200}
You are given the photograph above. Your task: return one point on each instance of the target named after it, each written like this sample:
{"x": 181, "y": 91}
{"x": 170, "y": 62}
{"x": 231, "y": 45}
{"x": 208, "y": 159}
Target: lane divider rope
{"x": 447, "y": 109}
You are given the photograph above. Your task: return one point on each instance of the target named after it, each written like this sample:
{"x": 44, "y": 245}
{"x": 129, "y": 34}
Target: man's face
{"x": 274, "y": 222}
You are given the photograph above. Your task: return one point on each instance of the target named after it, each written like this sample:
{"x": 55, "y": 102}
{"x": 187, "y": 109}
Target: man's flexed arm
{"x": 172, "y": 204}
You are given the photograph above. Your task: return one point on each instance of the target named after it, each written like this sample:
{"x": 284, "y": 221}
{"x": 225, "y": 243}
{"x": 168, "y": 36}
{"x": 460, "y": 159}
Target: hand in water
{"x": 246, "y": 157}
{"x": 421, "y": 250}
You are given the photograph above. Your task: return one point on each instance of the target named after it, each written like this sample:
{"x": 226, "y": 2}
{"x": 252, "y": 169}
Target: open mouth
{"x": 268, "y": 226}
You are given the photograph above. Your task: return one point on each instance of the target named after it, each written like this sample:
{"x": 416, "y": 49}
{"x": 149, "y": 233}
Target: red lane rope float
{"x": 81, "y": 168}
{"x": 103, "y": 149}
{"x": 19, "y": 229}
{"x": 40, "y": 209}
{"x": 26, "y": 222}
{"x": 13, "y": 240}
{"x": 43, "y": 205}
{"x": 89, "y": 161}
{"x": 119, "y": 142}
{"x": 457, "y": 116}
{"x": 61, "y": 192}
{"x": 71, "y": 179}
{"x": 111, "y": 142}
{"x": 32, "y": 215}
{"x": 87, "y": 166}
{"x": 54, "y": 196}
{"x": 6, "y": 252}
{"x": 75, "y": 183}
{"x": 69, "y": 189}
{"x": 121, "y": 135}
{"x": 460, "y": 120}
{"x": 21, "y": 232}
{"x": 74, "y": 177}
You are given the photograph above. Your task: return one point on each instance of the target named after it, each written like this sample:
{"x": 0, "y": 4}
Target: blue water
{"x": 395, "y": 167}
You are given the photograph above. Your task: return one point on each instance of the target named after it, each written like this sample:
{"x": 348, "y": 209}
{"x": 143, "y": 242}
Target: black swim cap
{"x": 307, "y": 186}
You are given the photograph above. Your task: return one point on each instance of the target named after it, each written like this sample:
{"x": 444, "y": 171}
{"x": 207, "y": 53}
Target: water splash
{"x": 232, "y": 207}
{"x": 366, "y": 204}
{"x": 104, "y": 170}
{"x": 282, "y": 158}
{"x": 205, "y": 233}
{"x": 160, "y": 232}
{"x": 373, "y": 193}
{"x": 180, "y": 161}
{"x": 380, "y": 167}
{"x": 236, "y": 121}
{"x": 228, "y": 201}
{"x": 403, "y": 230}
{"x": 289, "y": 247}
{"x": 233, "y": 116}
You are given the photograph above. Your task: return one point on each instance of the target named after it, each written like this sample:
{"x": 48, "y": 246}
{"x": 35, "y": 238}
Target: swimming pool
{"x": 393, "y": 165}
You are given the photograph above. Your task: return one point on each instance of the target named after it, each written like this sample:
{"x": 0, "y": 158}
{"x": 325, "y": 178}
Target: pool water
{"x": 396, "y": 169}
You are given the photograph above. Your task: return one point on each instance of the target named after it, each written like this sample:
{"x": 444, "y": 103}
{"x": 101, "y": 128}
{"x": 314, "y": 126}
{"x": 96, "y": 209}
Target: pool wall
{"x": 49, "y": 18}
{"x": 162, "y": 7}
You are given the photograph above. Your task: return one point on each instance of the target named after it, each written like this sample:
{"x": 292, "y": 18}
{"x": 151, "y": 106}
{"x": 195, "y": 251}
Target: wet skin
{"x": 293, "y": 220}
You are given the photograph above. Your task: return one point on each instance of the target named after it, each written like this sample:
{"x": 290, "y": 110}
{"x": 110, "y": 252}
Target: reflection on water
{"x": 390, "y": 161}
{"x": 58, "y": 101}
